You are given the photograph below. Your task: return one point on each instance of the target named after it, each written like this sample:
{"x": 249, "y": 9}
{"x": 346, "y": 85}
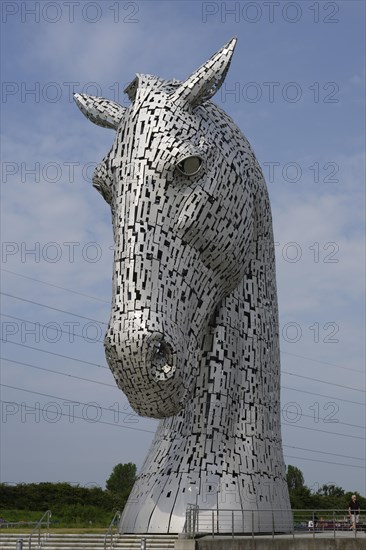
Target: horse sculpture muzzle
{"x": 147, "y": 368}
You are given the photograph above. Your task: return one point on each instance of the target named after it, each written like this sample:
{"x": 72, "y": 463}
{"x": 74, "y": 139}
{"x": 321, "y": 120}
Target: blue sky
{"x": 295, "y": 88}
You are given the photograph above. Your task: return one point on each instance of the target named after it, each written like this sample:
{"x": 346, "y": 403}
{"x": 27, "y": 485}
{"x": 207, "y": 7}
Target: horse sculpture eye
{"x": 190, "y": 166}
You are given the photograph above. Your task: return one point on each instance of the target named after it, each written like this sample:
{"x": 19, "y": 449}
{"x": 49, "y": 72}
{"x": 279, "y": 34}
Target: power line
{"x": 58, "y": 354}
{"x": 50, "y": 307}
{"x": 114, "y": 386}
{"x": 111, "y": 410}
{"x": 150, "y": 431}
{"x": 322, "y": 381}
{"x": 323, "y": 452}
{"x": 337, "y": 422}
{"x": 55, "y": 286}
{"x": 325, "y": 461}
{"x": 59, "y": 329}
{"x": 285, "y": 372}
{"x": 105, "y": 301}
{"x": 322, "y": 431}
{"x": 322, "y": 395}
{"x": 322, "y": 362}
{"x": 90, "y": 319}
{"x": 90, "y": 421}
{"x": 65, "y": 399}
{"x": 104, "y": 367}
{"x": 286, "y": 424}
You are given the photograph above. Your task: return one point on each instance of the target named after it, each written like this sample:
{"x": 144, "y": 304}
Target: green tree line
{"x": 71, "y": 505}
{"x": 76, "y": 505}
{"x": 327, "y": 497}
{"x": 44, "y": 496}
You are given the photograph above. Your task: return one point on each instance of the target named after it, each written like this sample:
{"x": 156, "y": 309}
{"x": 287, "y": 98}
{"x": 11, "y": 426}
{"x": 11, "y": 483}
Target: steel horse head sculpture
{"x": 193, "y": 333}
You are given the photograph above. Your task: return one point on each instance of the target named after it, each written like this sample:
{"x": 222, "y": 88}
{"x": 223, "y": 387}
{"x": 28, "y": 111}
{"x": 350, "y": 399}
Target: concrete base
{"x": 277, "y": 543}
{"x": 185, "y": 544}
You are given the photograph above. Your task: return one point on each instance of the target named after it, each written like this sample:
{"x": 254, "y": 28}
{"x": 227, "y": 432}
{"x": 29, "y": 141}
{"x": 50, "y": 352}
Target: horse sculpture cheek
{"x": 200, "y": 225}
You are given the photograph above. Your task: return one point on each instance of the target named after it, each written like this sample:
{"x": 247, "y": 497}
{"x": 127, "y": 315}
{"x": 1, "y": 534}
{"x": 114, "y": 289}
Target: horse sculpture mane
{"x": 193, "y": 333}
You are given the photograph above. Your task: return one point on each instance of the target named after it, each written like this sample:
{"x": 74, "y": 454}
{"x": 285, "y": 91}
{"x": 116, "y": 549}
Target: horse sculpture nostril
{"x": 161, "y": 359}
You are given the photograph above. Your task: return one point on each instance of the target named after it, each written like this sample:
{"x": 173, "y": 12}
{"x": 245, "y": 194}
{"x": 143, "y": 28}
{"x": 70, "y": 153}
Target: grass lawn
{"x": 59, "y": 523}
{"x": 55, "y": 530}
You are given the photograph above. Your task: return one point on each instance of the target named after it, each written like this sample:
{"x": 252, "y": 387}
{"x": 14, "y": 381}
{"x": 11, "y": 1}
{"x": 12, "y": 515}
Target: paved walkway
{"x": 298, "y": 535}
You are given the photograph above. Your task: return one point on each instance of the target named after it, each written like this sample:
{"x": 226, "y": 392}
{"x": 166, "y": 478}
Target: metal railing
{"x": 41, "y": 537}
{"x": 335, "y": 523}
{"x": 110, "y": 532}
{"x": 191, "y": 523}
{"x": 272, "y": 522}
{"x": 16, "y": 524}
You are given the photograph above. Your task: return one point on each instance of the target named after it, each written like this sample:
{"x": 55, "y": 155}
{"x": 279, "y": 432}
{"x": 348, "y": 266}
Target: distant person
{"x": 354, "y": 511}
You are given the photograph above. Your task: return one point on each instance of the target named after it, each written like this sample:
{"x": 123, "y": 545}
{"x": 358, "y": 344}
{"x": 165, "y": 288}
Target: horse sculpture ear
{"x": 104, "y": 112}
{"x": 207, "y": 80}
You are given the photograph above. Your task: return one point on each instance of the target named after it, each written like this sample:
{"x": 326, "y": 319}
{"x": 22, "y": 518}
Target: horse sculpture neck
{"x": 224, "y": 449}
